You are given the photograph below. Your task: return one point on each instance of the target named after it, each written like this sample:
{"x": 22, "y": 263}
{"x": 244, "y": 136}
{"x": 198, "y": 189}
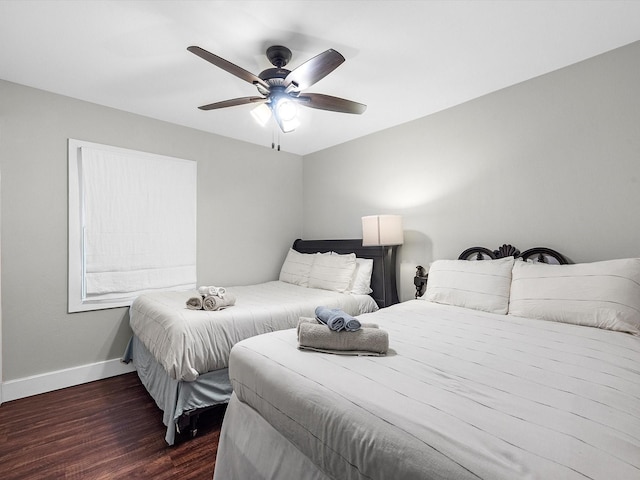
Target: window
{"x": 132, "y": 225}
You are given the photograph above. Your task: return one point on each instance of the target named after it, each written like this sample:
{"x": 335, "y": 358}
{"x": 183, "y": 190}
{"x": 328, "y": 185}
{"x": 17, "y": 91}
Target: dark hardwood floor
{"x": 109, "y": 429}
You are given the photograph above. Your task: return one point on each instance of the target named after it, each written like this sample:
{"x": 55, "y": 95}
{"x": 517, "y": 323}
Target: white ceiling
{"x": 404, "y": 59}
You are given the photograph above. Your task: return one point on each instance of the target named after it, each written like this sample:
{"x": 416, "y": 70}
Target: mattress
{"x": 188, "y": 343}
{"x": 462, "y": 394}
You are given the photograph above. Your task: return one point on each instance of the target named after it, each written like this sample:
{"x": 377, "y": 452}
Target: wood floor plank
{"x": 109, "y": 429}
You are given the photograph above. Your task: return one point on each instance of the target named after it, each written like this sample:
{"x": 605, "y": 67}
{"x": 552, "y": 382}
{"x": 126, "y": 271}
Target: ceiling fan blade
{"x": 327, "y": 102}
{"x": 228, "y": 66}
{"x": 314, "y": 70}
{"x": 233, "y": 102}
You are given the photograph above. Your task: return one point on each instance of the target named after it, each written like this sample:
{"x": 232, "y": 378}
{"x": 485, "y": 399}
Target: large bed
{"x": 542, "y": 384}
{"x": 181, "y": 355}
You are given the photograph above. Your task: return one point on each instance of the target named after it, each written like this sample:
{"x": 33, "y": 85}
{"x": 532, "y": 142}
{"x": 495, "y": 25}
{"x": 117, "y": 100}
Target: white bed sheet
{"x": 463, "y": 394}
{"x": 188, "y": 343}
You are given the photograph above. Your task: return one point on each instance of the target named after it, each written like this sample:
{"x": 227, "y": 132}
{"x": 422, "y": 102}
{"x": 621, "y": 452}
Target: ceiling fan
{"x": 281, "y": 89}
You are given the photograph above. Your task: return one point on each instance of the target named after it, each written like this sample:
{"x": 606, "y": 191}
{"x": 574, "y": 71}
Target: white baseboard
{"x": 48, "y": 382}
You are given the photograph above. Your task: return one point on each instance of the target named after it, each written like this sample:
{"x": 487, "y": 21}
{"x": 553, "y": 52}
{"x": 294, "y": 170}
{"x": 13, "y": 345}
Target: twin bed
{"x": 181, "y": 355}
{"x": 505, "y": 369}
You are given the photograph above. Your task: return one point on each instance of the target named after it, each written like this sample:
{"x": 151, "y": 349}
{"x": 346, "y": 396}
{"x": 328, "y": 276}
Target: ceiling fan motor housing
{"x": 274, "y": 76}
{"x": 278, "y": 55}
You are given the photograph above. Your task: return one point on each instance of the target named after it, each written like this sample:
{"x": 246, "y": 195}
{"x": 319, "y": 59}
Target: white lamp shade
{"x": 382, "y": 230}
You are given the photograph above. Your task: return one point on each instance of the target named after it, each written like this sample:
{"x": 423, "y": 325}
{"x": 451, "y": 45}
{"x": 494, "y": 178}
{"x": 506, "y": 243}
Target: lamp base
{"x": 389, "y": 265}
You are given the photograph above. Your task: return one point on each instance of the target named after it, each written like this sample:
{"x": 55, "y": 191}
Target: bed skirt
{"x": 176, "y": 398}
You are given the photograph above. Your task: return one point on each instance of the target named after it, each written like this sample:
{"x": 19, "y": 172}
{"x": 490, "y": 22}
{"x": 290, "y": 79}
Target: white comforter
{"x": 464, "y": 394}
{"x": 188, "y": 343}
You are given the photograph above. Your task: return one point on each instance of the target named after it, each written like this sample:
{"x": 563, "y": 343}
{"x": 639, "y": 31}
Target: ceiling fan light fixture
{"x": 286, "y": 109}
{"x": 289, "y": 125}
{"x": 261, "y": 114}
{"x": 285, "y": 112}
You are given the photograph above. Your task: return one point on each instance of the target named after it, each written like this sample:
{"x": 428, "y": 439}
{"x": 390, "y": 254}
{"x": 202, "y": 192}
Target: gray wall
{"x": 242, "y": 191}
{"x": 554, "y": 161}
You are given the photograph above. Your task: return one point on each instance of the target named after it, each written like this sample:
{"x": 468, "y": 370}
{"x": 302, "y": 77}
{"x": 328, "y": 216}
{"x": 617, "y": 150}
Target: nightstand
{"x": 420, "y": 281}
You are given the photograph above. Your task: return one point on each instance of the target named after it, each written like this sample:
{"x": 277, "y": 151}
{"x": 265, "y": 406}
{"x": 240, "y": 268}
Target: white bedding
{"x": 188, "y": 343}
{"x": 463, "y": 394}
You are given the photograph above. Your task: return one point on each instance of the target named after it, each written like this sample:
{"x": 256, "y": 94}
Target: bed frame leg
{"x": 193, "y": 424}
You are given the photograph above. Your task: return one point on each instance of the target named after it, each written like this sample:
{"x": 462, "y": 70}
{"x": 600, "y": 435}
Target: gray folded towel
{"x": 366, "y": 341}
{"x": 195, "y": 303}
{"x": 213, "y": 302}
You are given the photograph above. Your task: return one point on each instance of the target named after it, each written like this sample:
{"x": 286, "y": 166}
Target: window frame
{"x": 76, "y": 264}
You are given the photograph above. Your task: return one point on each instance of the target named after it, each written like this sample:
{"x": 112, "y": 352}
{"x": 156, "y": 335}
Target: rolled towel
{"x": 366, "y": 341}
{"x": 214, "y": 302}
{"x": 195, "y": 303}
{"x": 351, "y": 324}
{"x": 329, "y": 318}
{"x": 211, "y": 290}
{"x": 337, "y": 319}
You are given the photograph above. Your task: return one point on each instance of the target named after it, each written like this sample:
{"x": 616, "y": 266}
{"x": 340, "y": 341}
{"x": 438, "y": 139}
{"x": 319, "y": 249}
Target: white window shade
{"x": 137, "y": 224}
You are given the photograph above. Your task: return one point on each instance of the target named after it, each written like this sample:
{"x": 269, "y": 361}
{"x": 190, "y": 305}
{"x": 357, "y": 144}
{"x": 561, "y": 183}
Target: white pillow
{"x": 361, "y": 280}
{"x": 332, "y": 272}
{"x": 480, "y": 285}
{"x": 599, "y": 294}
{"x": 296, "y": 268}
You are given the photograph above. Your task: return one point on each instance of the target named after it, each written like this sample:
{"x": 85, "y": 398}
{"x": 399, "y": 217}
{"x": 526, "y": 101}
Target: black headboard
{"x": 383, "y": 275}
{"x": 537, "y": 254}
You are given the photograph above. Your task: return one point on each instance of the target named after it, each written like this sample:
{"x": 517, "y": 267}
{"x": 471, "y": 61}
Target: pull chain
{"x": 273, "y": 135}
